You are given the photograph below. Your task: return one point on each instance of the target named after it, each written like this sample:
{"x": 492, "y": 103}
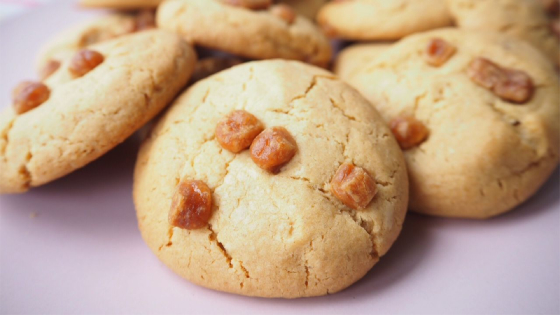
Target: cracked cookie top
{"x": 490, "y": 108}
{"x": 524, "y": 19}
{"x": 281, "y": 234}
{"x": 257, "y": 34}
{"x": 88, "y": 115}
{"x": 382, "y": 19}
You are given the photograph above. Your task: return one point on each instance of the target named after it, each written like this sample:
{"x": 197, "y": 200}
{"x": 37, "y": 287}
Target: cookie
{"x": 282, "y": 234}
{"x": 307, "y": 8}
{"x": 353, "y": 58}
{"x": 66, "y": 44}
{"x": 120, "y": 4}
{"x": 382, "y": 19}
{"x": 483, "y": 133}
{"x": 256, "y": 34}
{"x": 88, "y": 114}
{"x": 525, "y": 19}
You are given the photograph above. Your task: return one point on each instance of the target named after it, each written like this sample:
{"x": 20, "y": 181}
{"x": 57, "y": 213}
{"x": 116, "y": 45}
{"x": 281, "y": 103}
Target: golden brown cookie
{"x": 87, "y": 113}
{"x": 258, "y": 34}
{"x": 524, "y": 19}
{"x": 477, "y": 114}
{"x": 287, "y": 233}
{"x": 66, "y": 44}
{"x": 382, "y": 19}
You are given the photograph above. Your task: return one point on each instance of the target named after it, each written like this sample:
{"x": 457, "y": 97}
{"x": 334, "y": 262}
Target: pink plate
{"x": 73, "y": 246}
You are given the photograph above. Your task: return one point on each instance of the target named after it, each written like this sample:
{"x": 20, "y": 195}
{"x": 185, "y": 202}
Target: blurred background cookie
{"x": 381, "y": 19}
{"x": 67, "y": 43}
{"x": 91, "y": 103}
{"x": 524, "y": 19}
{"x": 353, "y": 58}
{"x": 249, "y": 30}
{"x": 477, "y": 116}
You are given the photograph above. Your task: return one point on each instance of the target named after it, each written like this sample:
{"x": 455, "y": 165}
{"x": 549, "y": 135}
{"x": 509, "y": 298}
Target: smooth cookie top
{"x": 282, "y": 234}
{"x": 86, "y": 116}
{"x": 259, "y": 34}
{"x": 484, "y": 154}
{"x": 525, "y": 19}
{"x": 382, "y": 19}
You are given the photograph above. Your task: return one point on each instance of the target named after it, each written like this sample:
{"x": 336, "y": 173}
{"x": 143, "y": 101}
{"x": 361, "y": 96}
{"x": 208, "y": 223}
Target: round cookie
{"x": 525, "y": 19}
{"x": 66, "y": 44}
{"x": 307, "y": 8}
{"x": 484, "y": 155}
{"x": 272, "y": 235}
{"x": 87, "y": 116}
{"x": 353, "y": 58}
{"x": 257, "y": 34}
{"x": 382, "y": 19}
{"x": 120, "y": 4}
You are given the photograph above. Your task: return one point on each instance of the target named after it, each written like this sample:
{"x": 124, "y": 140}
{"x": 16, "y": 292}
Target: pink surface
{"x": 83, "y": 253}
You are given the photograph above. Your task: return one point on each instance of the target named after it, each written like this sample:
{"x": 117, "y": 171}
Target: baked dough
{"x": 483, "y": 156}
{"x": 87, "y": 116}
{"x": 272, "y": 235}
{"x": 243, "y": 32}
{"x": 382, "y": 19}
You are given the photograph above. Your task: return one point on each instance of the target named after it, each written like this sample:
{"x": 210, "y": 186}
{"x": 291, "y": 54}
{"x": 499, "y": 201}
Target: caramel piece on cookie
{"x": 84, "y": 61}
{"x": 509, "y": 84}
{"x": 28, "y": 95}
{"x": 408, "y": 131}
{"x": 237, "y": 131}
{"x": 353, "y": 186}
{"x": 438, "y": 52}
{"x": 273, "y": 148}
{"x": 191, "y": 207}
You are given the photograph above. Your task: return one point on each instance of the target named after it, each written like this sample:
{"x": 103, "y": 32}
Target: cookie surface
{"x": 272, "y": 235}
{"x": 253, "y": 34}
{"x": 87, "y": 116}
{"x": 382, "y": 19}
{"x": 483, "y": 155}
{"x": 525, "y": 19}
{"x": 353, "y": 58}
{"x": 64, "y": 45}
{"x": 120, "y": 4}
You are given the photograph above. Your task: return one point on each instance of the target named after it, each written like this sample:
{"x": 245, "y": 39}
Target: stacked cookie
{"x": 269, "y": 175}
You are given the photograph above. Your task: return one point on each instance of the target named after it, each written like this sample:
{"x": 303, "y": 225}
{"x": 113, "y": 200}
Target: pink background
{"x": 83, "y": 253}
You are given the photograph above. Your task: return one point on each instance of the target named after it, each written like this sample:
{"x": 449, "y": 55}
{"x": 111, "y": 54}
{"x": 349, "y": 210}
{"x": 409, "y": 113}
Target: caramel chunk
{"x": 250, "y": 4}
{"x": 408, "y": 131}
{"x": 211, "y": 65}
{"x": 49, "y": 68}
{"x": 191, "y": 207}
{"x": 237, "y": 131}
{"x": 84, "y": 61}
{"x": 508, "y": 84}
{"x": 273, "y": 148}
{"x": 146, "y": 19}
{"x": 438, "y": 52}
{"x": 353, "y": 186}
{"x": 28, "y": 95}
{"x": 285, "y": 12}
